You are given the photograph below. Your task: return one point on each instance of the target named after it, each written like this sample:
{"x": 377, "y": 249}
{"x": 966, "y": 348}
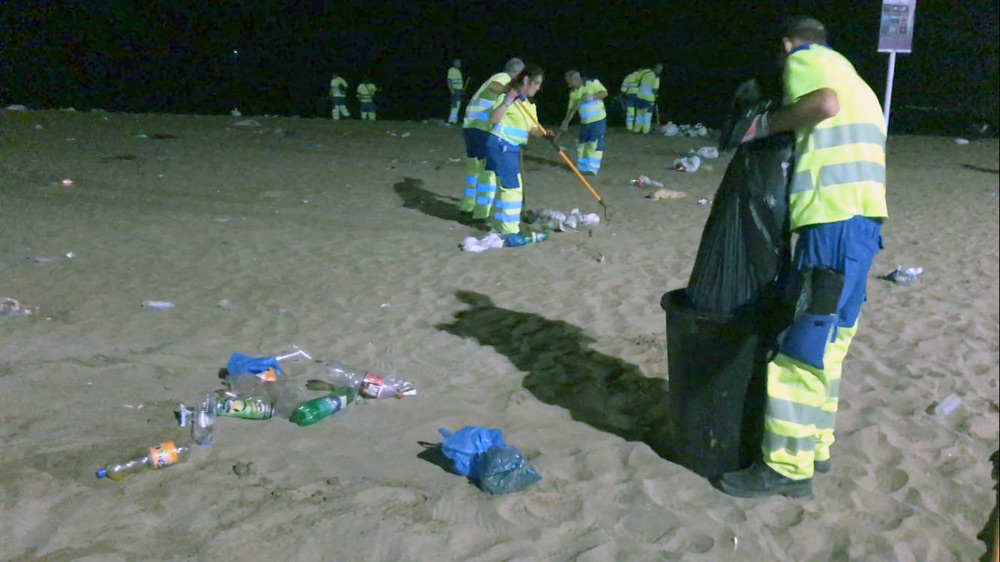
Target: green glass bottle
{"x": 312, "y": 411}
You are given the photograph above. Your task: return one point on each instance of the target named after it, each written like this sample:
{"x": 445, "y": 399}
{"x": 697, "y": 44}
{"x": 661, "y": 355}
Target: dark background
{"x": 179, "y": 56}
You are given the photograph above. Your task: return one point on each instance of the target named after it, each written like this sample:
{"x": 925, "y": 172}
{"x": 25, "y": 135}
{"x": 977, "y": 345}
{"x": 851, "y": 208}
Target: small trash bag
{"x": 240, "y": 364}
{"x": 466, "y": 445}
{"x": 503, "y": 470}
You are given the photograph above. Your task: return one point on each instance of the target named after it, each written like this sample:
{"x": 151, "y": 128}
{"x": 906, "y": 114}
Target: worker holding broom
{"x": 586, "y": 97}
{"x": 481, "y": 184}
{"x": 513, "y": 122}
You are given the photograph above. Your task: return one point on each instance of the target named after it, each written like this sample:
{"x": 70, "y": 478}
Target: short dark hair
{"x": 805, "y": 28}
{"x": 530, "y": 71}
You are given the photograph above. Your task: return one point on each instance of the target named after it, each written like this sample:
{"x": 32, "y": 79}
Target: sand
{"x": 341, "y": 238}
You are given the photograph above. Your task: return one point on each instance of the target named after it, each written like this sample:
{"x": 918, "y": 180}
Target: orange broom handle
{"x": 561, "y": 153}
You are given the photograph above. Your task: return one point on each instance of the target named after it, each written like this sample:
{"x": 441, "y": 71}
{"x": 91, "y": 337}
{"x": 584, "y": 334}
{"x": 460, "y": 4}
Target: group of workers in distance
{"x": 366, "y": 97}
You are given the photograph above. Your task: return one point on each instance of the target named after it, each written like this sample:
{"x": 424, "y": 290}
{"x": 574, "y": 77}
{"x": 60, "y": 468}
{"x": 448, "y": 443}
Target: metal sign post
{"x": 895, "y": 36}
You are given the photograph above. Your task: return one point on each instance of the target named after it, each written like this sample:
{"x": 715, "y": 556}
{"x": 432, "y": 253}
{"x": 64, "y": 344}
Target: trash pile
{"x": 904, "y": 275}
{"x": 554, "y": 220}
{"x": 691, "y": 161}
{"x": 673, "y": 130}
{"x": 255, "y": 388}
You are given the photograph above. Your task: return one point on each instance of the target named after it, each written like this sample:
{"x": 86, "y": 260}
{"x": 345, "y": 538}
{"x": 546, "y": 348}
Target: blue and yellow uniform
{"x": 502, "y": 150}
{"x": 480, "y": 184}
{"x": 366, "y": 96}
{"x": 649, "y": 86}
{"x": 338, "y": 93}
{"x": 836, "y": 206}
{"x": 630, "y": 89}
{"x": 457, "y": 90}
{"x": 593, "y": 124}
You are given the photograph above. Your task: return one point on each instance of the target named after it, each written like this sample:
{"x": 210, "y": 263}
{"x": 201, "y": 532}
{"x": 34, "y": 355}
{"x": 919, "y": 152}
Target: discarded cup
{"x": 947, "y": 406}
{"x": 159, "y": 305}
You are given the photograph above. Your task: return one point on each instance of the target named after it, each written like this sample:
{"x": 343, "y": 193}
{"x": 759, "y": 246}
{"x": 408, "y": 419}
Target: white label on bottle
{"x": 371, "y": 386}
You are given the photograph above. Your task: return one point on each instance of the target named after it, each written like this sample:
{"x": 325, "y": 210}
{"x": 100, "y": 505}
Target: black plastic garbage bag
{"x": 745, "y": 245}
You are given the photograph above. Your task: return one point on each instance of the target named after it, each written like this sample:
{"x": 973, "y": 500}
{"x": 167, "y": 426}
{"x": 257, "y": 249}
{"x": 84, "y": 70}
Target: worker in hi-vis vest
{"x": 586, "y": 97}
{"x": 649, "y": 86}
{"x": 456, "y": 88}
{"x": 338, "y": 95}
{"x": 513, "y": 120}
{"x": 366, "y": 97}
{"x": 836, "y": 207}
{"x": 481, "y": 184}
{"x": 630, "y": 89}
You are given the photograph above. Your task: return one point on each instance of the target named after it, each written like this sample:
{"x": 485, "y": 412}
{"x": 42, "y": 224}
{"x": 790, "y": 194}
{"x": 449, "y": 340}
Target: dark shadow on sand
{"x": 981, "y": 169}
{"x": 597, "y": 389}
{"x": 414, "y": 196}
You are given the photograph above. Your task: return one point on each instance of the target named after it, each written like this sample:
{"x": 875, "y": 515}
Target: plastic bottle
{"x": 369, "y": 385}
{"x": 947, "y": 405}
{"x": 514, "y": 240}
{"x": 163, "y": 455}
{"x": 314, "y": 410}
{"x": 203, "y": 420}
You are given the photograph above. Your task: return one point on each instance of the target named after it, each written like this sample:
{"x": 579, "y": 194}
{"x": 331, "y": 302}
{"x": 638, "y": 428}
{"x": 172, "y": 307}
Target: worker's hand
{"x": 758, "y": 129}
{"x": 548, "y": 133}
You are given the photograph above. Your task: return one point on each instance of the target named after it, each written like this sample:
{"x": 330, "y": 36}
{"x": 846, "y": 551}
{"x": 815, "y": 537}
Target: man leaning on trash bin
{"x": 836, "y": 206}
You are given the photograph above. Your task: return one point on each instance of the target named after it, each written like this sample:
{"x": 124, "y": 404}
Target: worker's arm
{"x": 496, "y": 87}
{"x": 600, "y": 95}
{"x": 808, "y": 111}
{"x": 570, "y": 112}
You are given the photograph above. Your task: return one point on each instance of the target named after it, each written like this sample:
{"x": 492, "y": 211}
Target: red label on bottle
{"x": 371, "y": 386}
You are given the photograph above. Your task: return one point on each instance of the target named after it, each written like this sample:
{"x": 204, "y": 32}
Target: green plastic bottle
{"x": 312, "y": 411}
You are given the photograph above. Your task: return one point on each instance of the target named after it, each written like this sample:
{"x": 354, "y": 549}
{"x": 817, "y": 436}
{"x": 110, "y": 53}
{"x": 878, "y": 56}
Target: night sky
{"x": 179, "y": 56}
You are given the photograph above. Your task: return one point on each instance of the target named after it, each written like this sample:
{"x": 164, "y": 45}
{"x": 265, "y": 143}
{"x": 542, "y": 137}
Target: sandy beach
{"x": 342, "y": 238}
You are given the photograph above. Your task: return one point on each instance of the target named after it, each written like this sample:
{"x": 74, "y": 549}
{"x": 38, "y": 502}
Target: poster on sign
{"x": 896, "y": 31}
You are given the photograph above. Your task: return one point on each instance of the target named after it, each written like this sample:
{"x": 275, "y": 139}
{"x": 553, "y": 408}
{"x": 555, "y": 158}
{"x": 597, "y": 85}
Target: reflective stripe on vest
{"x": 511, "y": 134}
{"x": 840, "y": 135}
{"x": 839, "y": 174}
{"x": 589, "y": 109}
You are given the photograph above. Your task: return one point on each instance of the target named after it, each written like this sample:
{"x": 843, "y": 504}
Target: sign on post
{"x": 895, "y": 35}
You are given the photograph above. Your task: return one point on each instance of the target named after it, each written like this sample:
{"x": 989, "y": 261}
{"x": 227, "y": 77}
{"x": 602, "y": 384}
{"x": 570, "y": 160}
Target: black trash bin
{"x": 716, "y": 367}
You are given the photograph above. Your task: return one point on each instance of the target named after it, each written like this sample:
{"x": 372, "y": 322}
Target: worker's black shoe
{"x": 822, "y": 467}
{"x": 760, "y": 481}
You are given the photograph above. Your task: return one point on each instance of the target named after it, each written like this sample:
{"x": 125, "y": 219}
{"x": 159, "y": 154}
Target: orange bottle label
{"x": 269, "y": 375}
{"x": 165, "y": 454}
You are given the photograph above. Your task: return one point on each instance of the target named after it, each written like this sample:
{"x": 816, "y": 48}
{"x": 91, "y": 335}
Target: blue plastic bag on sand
{"x": 240, "y": 364}
{"x": 480, "y": 454}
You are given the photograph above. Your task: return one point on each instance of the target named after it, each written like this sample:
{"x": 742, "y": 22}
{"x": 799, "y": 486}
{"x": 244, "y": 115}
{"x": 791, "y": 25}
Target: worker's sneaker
{"x": 822, "y": 467}
{"x": 760, "y": 481}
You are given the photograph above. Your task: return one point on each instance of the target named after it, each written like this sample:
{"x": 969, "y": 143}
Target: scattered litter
{"x": 554, "y": 220}
{"x": 904, "y": 275}
{"x": 159, "y": 305}
{"x": 708, "y": 152}
{"x": 704, "y": 201}
{"x": 38, "y": 127}
{"x": 221, "y": 219}
{"x": 246, "y": 123}
{"x": 404, "y": 135}
{"x": 236, "y": 113}
{"x": 67, "y": 183}
{"x": 12, "y": 307}
{"x": 960, "y": 140}
{"x": 39, "y": 260}
{"x": 687, "y": 164}
{"x": 70, "y": 255}
{"x": 643, "y": 181}
{"x": 454, "y": 159}
{"x": 671, "y": 130}
{"x": 488, "y": 242}
{"x": 141, "y": 136}
{"x": 70, "y": 139}
{"x": 16, "y": 107}
{"x": 946, "y": 406}
{"x": 480, "y": 454}
{"x": 666, "y": 194}
{"x": 224, "y": 304}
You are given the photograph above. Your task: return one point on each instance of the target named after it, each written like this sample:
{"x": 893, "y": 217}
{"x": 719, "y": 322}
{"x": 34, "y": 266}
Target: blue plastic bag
{"x": 240, "y": 364}
{"x": 463, "y": 446}
{"x": 480, "y": 454}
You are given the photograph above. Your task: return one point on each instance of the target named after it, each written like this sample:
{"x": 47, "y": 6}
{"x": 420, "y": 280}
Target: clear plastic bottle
{"x": 203, "y": 420}
{"x": 314, "y": 410}
{"x": 163, "y": 455}
{"x": 369, "y": 385}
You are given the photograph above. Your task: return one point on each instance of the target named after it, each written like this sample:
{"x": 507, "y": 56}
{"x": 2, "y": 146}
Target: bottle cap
{"x": 101, "y": 473}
